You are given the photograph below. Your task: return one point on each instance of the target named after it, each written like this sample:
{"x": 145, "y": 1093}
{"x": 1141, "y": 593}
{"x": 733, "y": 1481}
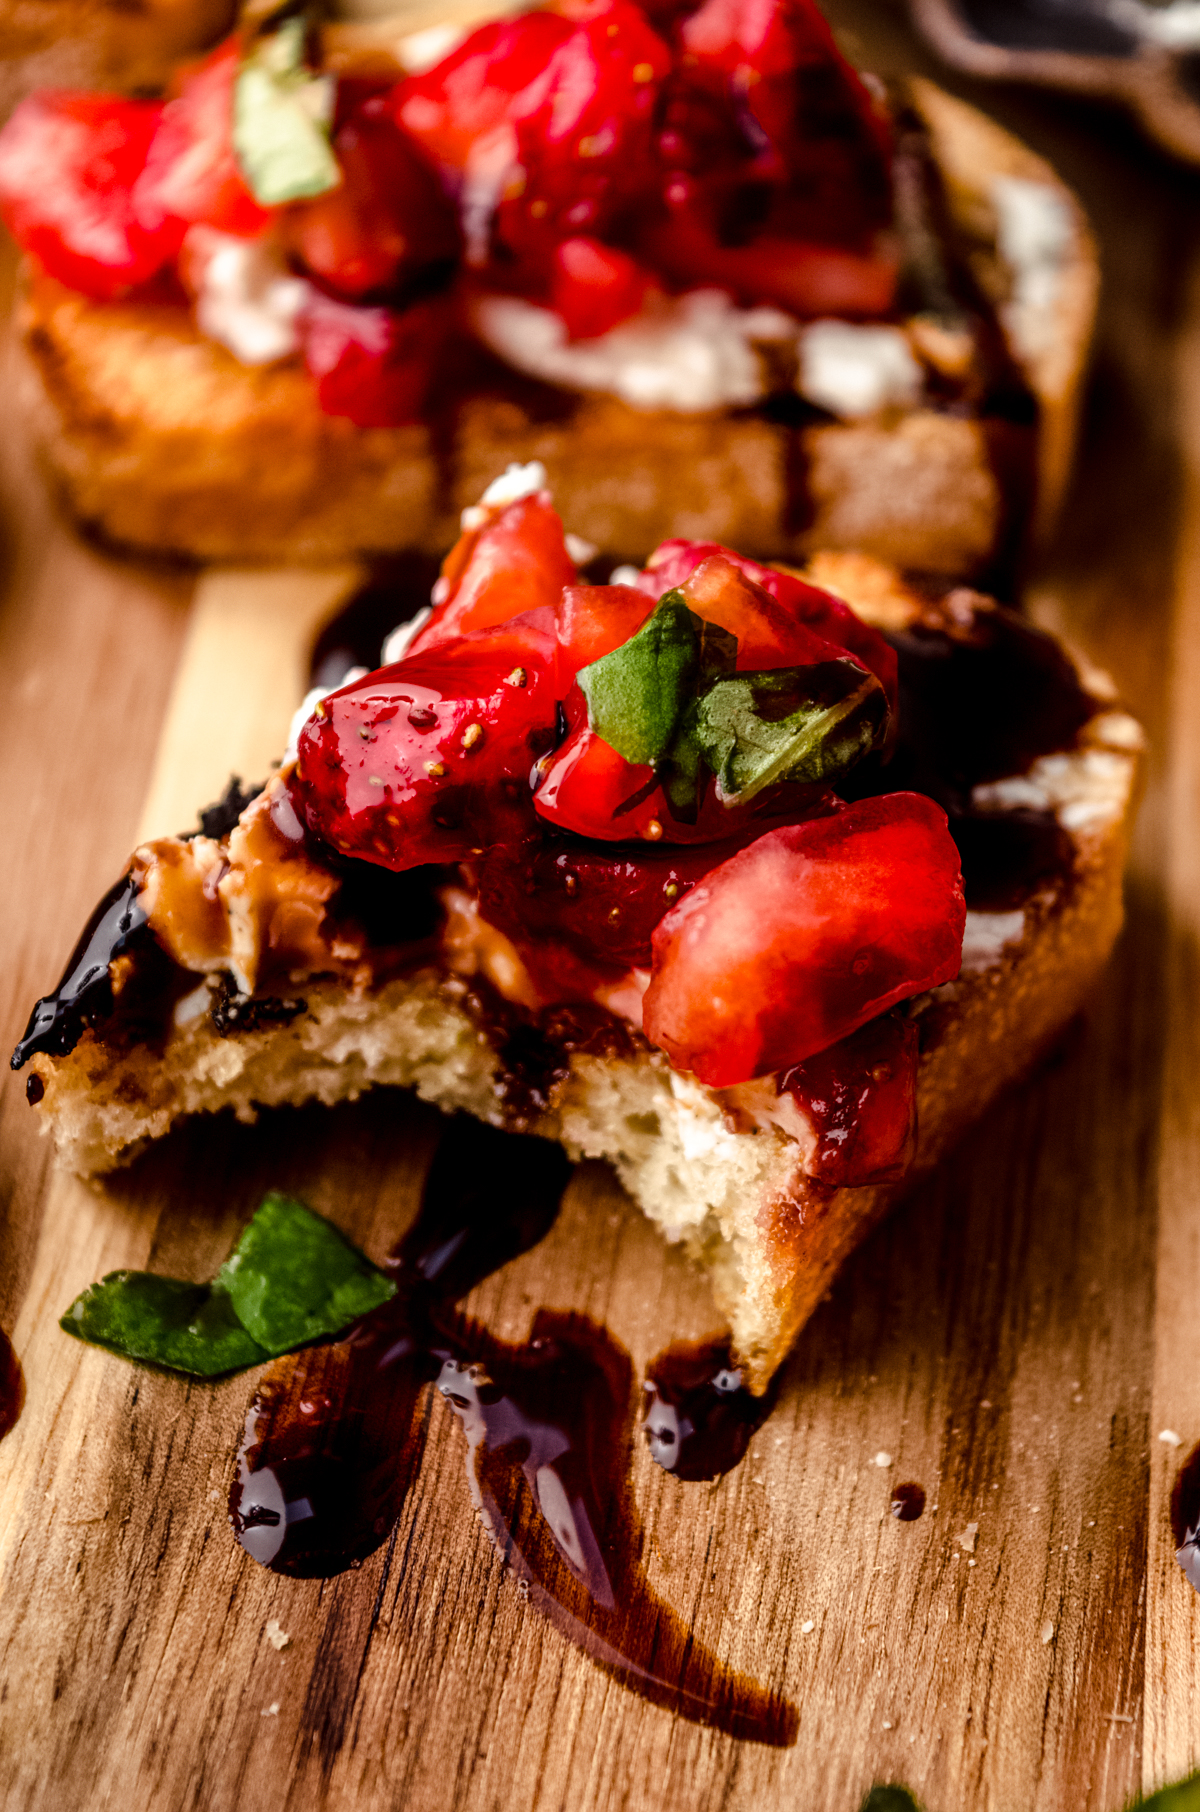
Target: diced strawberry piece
{"x": 388, "y": 220}
{"x": 192, "y": 174}
{"x": 495, "y": 76}
{"x": 673, "y": 562}
{"x": 721, "y": 591}
{"x": 516, "y": 562}
{"x": 807, "y": 279}
{"x": 428, "y": 760}
{"x": 861, "y": 1098}
{"x": 604, "y": 904}
{"x": 372, "y": 365}
{"x": 802, "y": 937}
{"x": 595, "y": 287}
{"x": 585, "y": 149}
{"x": 68, "y": 164}
{"x": 592, "y": 621}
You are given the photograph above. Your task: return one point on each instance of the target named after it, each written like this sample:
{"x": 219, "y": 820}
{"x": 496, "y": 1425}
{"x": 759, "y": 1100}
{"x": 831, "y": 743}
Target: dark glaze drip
{"x": 535, "y": 1049}
{"x": 980, "y": 700}
{"x": 85, "y": 993}
{"x": 908, "y": 1502}
{"x": 12, "y": 1387}
{"x": 397, "y": 588}
{"x": 1185, "y": 1516}
{"x": 335, "y": 1436}
{"x": 698, "y": 1416}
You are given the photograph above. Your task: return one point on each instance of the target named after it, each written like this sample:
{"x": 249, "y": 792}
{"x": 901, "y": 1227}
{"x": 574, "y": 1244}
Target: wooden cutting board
{"x": 1015, "y": 1337}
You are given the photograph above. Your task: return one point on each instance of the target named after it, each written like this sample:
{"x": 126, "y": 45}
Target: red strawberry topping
{"x": 861, "y": 1098}
{"x": 68, "y": 165}
{"x": 806, "y": 935}
{"x": 428, "y": 760}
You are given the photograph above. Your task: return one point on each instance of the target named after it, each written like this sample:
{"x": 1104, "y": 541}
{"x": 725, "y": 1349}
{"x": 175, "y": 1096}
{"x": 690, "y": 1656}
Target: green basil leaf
{"x": 794, "y": 723}
{"x": 637, "y": 694}
{"x": 292, "y": 1277}
{"x": 183, "y": 1326}
{"x": 281, "y": 118}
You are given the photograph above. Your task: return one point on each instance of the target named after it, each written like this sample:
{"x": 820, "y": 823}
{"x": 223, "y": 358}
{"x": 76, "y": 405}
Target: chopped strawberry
{"x": 802, "y": 937}
{"x": 388, "y": 220}
{"x": 372, "y": 365}
{"x": 515, "y": 562}
{"x": 673, "y": 563}
{"x": 67, "y": 165}
{"x": 595, "y": 287}
{"x": 192, "y": 174}
{"x": 604, "y": 904}
{"x": 861, "y": 1097}
{"x": 497, "y": 75}
{"x": 584, "y": 150}
{"x": 428, "y": 760}
{"x": 806, "y": 278}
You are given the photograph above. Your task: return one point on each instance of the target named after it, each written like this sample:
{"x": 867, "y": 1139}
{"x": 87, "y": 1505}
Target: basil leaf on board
{"x": 637, "y": 694}
{"x": 281, "y": 118}
{"x": 292, "y": 1277}
{"x": 792, "y": 723}
{"x": 163, "y": 1321}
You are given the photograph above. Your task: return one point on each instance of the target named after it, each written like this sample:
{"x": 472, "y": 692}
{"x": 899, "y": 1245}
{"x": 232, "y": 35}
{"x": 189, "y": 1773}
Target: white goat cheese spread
{"x": 856, "y": 371}
{"x": 1034, "y": 235}
{"x": 249, "y": 301}
{"x": 690, "y": 353}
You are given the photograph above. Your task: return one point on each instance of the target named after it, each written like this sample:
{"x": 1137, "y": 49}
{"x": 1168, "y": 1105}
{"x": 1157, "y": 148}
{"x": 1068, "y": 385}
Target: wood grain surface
{"x": 1015, "y": 1337}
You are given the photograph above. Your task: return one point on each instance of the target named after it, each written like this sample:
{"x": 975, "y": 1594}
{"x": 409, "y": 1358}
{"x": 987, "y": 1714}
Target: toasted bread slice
{"x": 716, "y": 1168}
{"x": 159, "y": 439}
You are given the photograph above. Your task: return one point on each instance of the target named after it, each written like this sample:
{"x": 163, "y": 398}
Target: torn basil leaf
{"x": 637, "y": 694}
{"x": 281, "y": 118}
{"x": 290, "y": 1279}
{"x": 163, "y": 1321}
{"x": 794, "y": 723}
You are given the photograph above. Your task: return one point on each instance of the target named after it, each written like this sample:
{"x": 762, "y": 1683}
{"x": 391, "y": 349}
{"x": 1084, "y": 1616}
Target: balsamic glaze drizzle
{"x": 1185, "y": 1516}
{"x": 85, "y": 992}
{"x": 908, "y": 1502}
{"x": 335, "y": 1435}
{"x": 12, "y": 1386}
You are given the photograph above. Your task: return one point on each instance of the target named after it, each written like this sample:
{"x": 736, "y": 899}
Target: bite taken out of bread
{"x": 894, "y": 369}
{"x": 561, "y": 983}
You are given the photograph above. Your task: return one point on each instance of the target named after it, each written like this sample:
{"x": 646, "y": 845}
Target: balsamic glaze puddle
{"x": 698, "y": 1414}
{"x": 398, "y": 586}
{"x": 12, "y": 1386}
{"x": 908, "y": 1502}
{"x": 85, "y": 993}
{"x": 1185, "y": 1516}
{"x": 335, "y": 1435}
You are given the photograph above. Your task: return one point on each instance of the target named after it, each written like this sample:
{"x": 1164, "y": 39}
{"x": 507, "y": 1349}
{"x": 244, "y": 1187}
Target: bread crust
{"x": 158, "y": 439}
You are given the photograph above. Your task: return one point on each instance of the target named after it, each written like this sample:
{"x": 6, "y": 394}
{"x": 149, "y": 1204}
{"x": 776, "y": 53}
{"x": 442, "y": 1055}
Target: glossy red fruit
{"x": 861, "y": 1097}
{"x": 428, "y": 760}
{"x": 802, "y": 937}
{"x": 372, "y": 365}
{"x": 68, "y": 163}
{"x": 192, "y": 174}
{"x": 496, "y": 76}
{"x": 592, "y": 621}
{"x": 604, "y": 904}
{"x": 673, "y": 563}
{"x": 584, "y": 151}
{"x": 595, "y": 287}
{"x": 516, "y": 562}
{"x": 806, "y": 278}
{"x": 387, "y": 221}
